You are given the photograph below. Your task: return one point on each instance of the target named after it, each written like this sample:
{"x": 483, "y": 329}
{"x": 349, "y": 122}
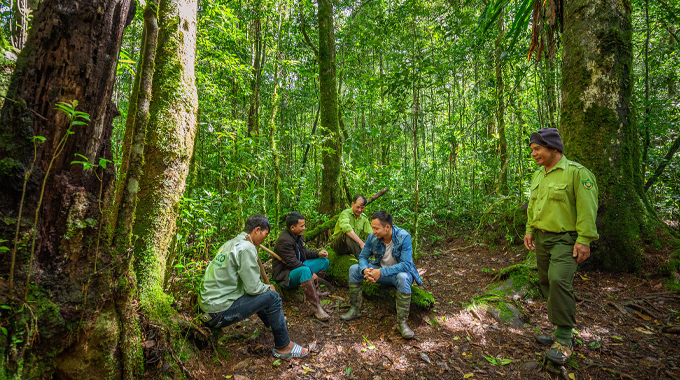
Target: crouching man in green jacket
{"x": 560, "y": 227}
{"x": 232, "y": 289}
{"x": 351, "y": 227}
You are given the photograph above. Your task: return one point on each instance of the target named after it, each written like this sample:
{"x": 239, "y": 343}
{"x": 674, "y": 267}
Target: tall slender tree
{"x": 169, "y": 145}
{"x": 331, "y": 197}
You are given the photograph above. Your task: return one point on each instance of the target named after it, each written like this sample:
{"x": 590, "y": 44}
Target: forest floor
{"x": 452, "y": 343}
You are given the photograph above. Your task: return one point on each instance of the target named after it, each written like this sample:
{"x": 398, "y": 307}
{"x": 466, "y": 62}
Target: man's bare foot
{"x": 286, "y": 350}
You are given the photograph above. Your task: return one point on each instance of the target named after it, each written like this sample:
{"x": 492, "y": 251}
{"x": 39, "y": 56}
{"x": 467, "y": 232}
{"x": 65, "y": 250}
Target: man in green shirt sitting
{"x": 560, "y": 227}
{"x": 232, "y": 289}
{"x": 351, "y": 228}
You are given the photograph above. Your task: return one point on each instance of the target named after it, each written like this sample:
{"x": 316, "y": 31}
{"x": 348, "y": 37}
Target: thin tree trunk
{"x": 272, "y": 127}
{"x": 662, "y": 165}
{"x": 19, "y": 25}
{"x": 331, "y": 156}
{"x": 256, "y": 80}
{"x": 500, "y": 111}
{"x": 647, "y": 138}
{"x": 169, "y": 145}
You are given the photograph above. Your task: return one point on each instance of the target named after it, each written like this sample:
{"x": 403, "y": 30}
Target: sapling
{"x": 36, "y": 140}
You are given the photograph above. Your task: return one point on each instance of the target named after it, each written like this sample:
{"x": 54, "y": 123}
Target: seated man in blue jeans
{"x": 299, "y": 266}
{"x": 232, "y": 289}
{"x": 393, "y": 265}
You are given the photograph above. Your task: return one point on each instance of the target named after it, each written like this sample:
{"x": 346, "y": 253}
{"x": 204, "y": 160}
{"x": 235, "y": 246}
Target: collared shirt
{"x": 348, "y": 222}
{"x": 562, "y": 200}
{"x": 233, "y": 273}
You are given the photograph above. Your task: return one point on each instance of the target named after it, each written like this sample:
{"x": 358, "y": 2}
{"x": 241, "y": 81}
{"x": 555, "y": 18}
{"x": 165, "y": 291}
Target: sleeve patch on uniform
{"x": 588, "y": 184}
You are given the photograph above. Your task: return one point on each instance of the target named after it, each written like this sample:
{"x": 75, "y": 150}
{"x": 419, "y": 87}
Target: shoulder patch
{"x": 588, "y": 184}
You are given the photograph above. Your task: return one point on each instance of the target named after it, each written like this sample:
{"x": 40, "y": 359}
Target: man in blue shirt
{"x": 393, "y": 265}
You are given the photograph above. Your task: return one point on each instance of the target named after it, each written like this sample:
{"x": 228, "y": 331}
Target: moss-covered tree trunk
{"x": 598, "y": 125}
{"x": 71, "y": 53}
{"x": 169, "y": 146}
{"x": 331, "y": 156}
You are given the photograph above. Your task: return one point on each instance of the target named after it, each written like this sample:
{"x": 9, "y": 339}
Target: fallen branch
{"x": 641, "y": 308}
{"x": 617, "y": 373}
{"x": 376, "y": 195}
{"x": 671, "y": 329}
{"x": 618, "y": 308}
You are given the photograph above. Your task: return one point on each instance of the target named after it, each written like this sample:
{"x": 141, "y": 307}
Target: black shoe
{"x": 559, "y": 353}
{"x": 545, "y": 339}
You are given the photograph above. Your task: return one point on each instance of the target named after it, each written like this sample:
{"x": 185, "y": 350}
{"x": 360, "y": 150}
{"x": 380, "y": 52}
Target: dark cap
{"x": 548, "y": 137}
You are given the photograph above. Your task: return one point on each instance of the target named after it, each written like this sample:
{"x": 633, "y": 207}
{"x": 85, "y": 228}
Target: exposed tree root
{"x": 618, "y": 307}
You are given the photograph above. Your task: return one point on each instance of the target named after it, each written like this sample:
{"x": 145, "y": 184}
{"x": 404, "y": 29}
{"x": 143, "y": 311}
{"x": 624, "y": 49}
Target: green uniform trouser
{"x": 556, "y": 268}
{"x": 344, "y": 245}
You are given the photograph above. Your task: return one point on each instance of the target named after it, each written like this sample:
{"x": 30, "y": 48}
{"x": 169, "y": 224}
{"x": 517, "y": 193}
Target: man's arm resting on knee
{"x": 353, "y": 235}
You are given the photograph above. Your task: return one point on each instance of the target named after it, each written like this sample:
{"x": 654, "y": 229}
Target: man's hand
{"x": 529, "y": 242}
{"x": 323, "y": 253}
{"x": 315, "y": 277}
{"x": 272, "y": 288}
{"x": 372, "y": 275}
{"x": 582, "y": 252}
{"x": 361, "y": 244}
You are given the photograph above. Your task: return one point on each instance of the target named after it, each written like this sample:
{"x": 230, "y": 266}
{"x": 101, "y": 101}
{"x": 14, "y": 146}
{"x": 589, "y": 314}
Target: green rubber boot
{"x": 403, "y": 309}
{"x": 355, "y": 300}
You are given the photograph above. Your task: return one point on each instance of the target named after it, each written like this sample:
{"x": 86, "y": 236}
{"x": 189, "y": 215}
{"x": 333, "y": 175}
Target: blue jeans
{"x": 302, "y": 274}
{"x": 402, "y": 280}
{"x": 267, "y": 306}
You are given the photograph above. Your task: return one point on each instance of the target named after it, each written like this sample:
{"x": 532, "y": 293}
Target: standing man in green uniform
{"x": 352, "y": 226}
{"x": 560, "y": 227}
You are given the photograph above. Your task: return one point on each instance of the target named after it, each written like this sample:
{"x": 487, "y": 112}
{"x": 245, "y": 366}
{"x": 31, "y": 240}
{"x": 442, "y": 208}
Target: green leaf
{"x": 276, "y": 362}
{"x": 40, "y": 138}
{"x": 4, "y": 330}
{"x": 348, "y": 370}
{"x": 6, "y": 307}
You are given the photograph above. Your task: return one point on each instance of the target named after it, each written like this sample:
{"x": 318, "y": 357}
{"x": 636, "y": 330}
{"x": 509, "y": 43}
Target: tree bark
{"x": 257, "y": 62}
{"x": 169, "y": 146}
{"x": 331, "y": 156}
{"x": 500, "y": 110}
{"x": 598, "y": 124}
{"x": 71, "y": 53}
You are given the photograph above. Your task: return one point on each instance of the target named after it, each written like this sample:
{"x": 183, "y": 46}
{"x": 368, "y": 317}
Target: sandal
{"x": 295, "y": 353}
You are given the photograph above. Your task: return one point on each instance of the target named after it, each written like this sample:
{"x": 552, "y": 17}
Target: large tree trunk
{"x": 70, "y": 54}
{"x": 598, "y": 124}
{"x": 169, "y": 145}
{"x": 331, "y": 197}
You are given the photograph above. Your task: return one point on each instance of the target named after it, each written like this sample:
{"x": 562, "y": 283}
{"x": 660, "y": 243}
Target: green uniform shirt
{"x": 233, "y": 273}
{"x": 348, "y": 222}
{"x": 564, "y": 199}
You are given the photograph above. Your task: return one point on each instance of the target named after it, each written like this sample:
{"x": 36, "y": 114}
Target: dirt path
{"x": 452, "y": 343}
